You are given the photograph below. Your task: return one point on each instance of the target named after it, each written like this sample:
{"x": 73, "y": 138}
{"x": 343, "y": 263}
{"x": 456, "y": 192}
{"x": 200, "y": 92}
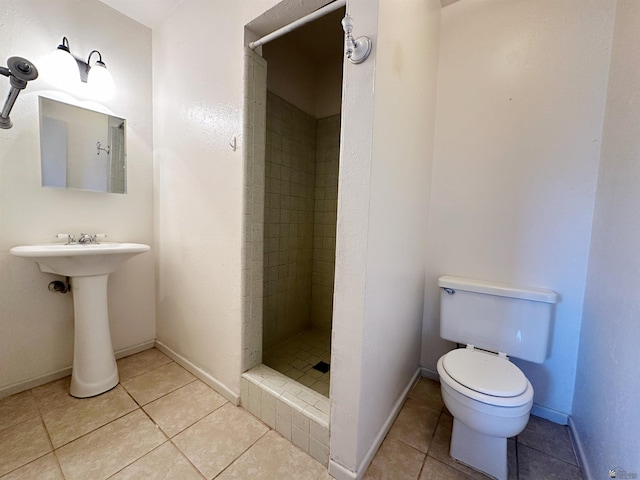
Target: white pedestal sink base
{"x": 94, "y": 364}
{"x": 89, "y": 265}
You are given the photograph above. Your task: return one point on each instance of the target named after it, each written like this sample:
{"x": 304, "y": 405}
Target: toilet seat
{"x": 485, "y": 372}
{"x": 520, "y": 400}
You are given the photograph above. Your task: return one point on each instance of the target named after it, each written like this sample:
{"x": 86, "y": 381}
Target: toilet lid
{"x": 484, "y": 372}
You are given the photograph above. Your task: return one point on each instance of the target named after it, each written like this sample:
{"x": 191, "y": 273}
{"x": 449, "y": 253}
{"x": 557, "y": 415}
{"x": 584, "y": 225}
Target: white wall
{"x": 605, "y": 406}
{"x": 199, "y": 180}
{"x": 385, "y": 170}
{"x": 521, "y": 94}
{"x": 37, "y": 325}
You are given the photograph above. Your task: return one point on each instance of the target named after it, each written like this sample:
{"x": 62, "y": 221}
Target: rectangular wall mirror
{"x": 82, "y": 149}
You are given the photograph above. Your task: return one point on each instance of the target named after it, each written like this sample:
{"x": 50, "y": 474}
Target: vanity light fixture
{"x": 69, "y": 69}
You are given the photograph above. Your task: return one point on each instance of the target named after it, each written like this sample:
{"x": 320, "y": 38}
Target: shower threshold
{"x": 297, "y": 412}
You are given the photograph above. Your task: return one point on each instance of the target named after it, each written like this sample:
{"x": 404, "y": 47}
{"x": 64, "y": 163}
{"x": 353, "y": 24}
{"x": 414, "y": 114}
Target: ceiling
{"x": 152, "y": 12}
{"x": 147, "y": 12}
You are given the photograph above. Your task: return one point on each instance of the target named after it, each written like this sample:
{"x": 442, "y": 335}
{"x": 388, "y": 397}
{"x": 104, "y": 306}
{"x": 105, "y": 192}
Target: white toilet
{"x": 489, "y": 397}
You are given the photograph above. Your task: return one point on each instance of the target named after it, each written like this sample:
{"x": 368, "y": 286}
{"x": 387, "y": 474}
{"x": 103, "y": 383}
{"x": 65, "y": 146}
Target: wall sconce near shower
{"x": 357, "y": 50}
{"x": 67, "y": 71}
{"x": 20, "y": 71}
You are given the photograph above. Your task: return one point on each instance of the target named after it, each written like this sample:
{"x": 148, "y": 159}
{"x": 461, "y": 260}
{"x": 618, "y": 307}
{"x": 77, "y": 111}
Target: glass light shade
{"x": 100, "y": 82}
{"x": 61, "y": 69}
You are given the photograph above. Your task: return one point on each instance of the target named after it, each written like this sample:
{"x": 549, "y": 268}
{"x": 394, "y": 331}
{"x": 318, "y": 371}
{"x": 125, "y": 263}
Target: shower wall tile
{"x": 325, "y": 219}
{"x": 289, "y": 220}
{"x": 254, "y": 152}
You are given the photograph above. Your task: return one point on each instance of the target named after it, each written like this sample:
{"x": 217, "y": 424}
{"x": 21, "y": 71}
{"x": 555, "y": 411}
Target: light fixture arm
{"x": 357, "y": 50}
{"x": 83, "y": 66}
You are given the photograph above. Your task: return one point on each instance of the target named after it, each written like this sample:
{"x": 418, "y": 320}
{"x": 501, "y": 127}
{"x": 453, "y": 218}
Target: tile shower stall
{"x": 301, "y": 191}
{"x": 291, "y": 213}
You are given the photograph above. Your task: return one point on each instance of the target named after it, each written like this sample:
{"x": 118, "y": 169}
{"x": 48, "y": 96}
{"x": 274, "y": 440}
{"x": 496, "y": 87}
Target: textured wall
{"x": 605, "y": 404}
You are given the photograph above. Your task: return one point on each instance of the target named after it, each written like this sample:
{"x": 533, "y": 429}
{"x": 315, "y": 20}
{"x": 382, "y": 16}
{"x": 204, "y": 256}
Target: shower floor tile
{"x": 297, "y": 356}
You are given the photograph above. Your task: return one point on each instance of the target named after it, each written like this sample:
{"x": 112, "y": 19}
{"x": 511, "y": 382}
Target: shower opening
{"x": 304, "y": 81}
{"x": 293, "y": 95}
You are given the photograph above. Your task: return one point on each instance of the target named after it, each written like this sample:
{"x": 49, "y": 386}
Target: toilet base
{"x": 481, "y": 452}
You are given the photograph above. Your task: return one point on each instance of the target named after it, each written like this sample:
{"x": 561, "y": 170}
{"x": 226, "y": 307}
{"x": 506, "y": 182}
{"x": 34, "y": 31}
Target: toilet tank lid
{"x": 501, "y": 289}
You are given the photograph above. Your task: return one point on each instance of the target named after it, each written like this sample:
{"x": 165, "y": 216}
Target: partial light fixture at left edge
{"x": 67, "y": 71}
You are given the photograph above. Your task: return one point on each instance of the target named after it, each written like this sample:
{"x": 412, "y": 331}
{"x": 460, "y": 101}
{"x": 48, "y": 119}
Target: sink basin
{"x": 80, "y": 259}
{"x": 94, "y": 368}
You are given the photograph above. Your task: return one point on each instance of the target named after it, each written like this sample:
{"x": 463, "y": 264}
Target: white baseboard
{"x": 141, "y": 347}
{"x": 34, "y": 382}
{"x": 579, "y": 450}
{"x": 338, "y": 472}
{"x": 554, "y": 416}
{"x": 65, "y": 372}
{"x": 341, "y": 473}
{"x": 428, "y": 373}
{"x": 206, "y": 377}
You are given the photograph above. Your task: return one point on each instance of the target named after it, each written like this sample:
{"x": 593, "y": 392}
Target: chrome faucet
{"x": 82, "y": 238}
{"x": 90, "y": 238}
{"x": 70, "y": 237}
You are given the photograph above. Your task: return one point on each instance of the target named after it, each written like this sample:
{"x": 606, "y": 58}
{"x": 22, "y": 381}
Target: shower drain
{"x": 322, "y": 367}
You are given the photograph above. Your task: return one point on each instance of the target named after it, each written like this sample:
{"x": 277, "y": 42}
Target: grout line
{"x": 245, "y": 450}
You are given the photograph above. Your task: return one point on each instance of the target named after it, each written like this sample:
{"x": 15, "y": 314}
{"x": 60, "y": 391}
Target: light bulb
{"x": 100, "y": 82}
{"x": 61, "y": 69}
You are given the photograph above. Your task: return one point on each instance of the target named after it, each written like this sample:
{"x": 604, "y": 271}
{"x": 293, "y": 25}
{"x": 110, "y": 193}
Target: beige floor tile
{"x": 436, "y": 470}
{"x": 22, "y": 444}
{"x": 325, "y": 476}
{"x": 395, "y": 460}
{"x": 548, "y": 437}
{"x": 219, "y": 438}
{"x": 107, "y": 450}
{"x": 133, "y": 365}
{"x": 155, "y": 383}
{"x": 83, "y": 415}
{"x": 273, "y": 457}
{"x": 439, "y": 448}
{"x": 184, "y": 407}
{"x": 164, "y": 463}
{"x": 44, "y": 468}
{"x": 534, "y": 465}
{"x": 53, "y": 395}
{"x": 415, "y": 425}
{"x": 17, "y": 409}
{"x": 427, "y": 391}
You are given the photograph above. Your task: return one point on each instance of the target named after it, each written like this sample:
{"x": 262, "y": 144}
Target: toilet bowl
{"x": 489, "y": 397}
{"x": 483, "y": 422}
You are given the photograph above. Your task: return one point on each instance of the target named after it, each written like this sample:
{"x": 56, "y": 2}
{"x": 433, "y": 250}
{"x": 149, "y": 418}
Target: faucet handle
{"x": 69, "y": 237}
{"x": 99, "y": 236}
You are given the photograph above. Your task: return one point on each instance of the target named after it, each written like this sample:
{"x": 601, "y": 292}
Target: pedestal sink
{"x": 89, "y": 265}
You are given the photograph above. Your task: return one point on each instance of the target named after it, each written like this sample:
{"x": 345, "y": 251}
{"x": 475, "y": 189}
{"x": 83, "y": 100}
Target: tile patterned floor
{"x": 160, "y": 422}
{"x": 417, "y": 446}
{"x": 296, "y": 357}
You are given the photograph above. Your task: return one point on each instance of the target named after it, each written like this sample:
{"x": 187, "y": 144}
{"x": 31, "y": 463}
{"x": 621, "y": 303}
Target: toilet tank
{"x": 497, "y": 317}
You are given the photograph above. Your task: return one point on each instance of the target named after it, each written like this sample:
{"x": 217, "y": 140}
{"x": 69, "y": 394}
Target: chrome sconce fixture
{"x": 357, "y": 50}
{"x": 67, "y": 69}
{"x": 20, "y": 71}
